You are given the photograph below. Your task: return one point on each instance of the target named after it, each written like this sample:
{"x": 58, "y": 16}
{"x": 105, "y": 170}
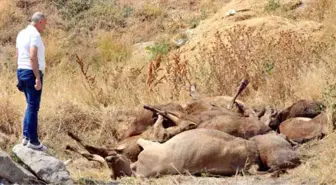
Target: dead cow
{"x": 245, "y": 127}
{"x": 129, "y": 146}
{"x": 119, "y": 165}
{"x": 301, "y": 108}
{"x": 196, "y": 151}
{"x": 197, "y": 111}
{"x": 276, "y": 153}
{"x": 222, "y": 102}
{"x": 145, "y": 118}
{"x": 305, "y": 129}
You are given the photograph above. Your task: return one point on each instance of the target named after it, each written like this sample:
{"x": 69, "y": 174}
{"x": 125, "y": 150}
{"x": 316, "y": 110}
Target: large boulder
{"x": 45, "y": 166}
{"x": 12, "y": 172}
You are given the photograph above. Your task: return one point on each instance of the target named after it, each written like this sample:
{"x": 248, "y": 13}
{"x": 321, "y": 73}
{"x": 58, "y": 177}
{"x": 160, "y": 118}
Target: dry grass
{"x": 319, "y": 162}
{"x": 8, "y": 16}
{"x": 273, "y": 64}
{"x": 93, "y": 96}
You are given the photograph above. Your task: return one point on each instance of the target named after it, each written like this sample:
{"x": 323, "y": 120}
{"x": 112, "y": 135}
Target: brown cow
{"x": 129, "y": 146}
{"x": 276, "y": 153}
{"x": 213, "y": 119}
{"x": 226, "y": 102}
{"x": 119, "y": 165}
{"x": 196, "y": 151}
{"x": 145, "y": 118}
{"x": 305, "y": 129}
{"x": 245, "y": 127}
{"x": 215, "y": 152}
{"x": 205, "y": 150}
{"x": 197, "y": 111}
{"x": 301, "y": 108}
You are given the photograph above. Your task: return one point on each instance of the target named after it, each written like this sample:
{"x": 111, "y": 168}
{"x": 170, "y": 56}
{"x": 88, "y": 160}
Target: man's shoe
{"x": 25, "y": 141}
{"x": 39, "y": 147}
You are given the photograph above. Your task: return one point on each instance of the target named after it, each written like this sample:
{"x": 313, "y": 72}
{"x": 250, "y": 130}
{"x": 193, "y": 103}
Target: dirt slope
{"x": 251, "y": 13}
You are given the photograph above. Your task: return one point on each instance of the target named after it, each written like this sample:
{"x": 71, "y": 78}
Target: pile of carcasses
{"x": 215, "y": 135}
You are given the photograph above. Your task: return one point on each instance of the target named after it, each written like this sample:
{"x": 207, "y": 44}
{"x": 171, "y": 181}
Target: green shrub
{"x": 159, "y": 48}
{"x": 90, "y": 14}
{"x": 70, "y": 9}
{"x": 272, "y": 5}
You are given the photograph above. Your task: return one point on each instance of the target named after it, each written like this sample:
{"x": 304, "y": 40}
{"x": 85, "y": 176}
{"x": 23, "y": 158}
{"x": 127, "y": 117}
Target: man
{"x": 30, "y": 53}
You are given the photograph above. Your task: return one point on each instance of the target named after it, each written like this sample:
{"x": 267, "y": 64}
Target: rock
{"x": 13, "y": 172}
{"x": 139, "y": 48}
{"x": 180, "y": 39}
{"x": 231, "y": 12}
{"x": 45, "y": 166}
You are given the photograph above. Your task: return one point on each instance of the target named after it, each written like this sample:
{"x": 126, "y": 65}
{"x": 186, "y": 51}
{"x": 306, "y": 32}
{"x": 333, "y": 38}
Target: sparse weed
{"x": 272, "y": 5}
{"x": 10, "y": 122}
{"x": 112, "y": 49}
{"x": 151, "y": 11}
{"x": 159, "y": 48}
{"x": 171, "y": 71}
{"x": 8, "y": 16}
{"x": 70, "y": 9}
{"x": 195, "y": 21}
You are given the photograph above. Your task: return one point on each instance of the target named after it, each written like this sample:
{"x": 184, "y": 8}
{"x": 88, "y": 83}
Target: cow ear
{"x": 120, "y": 148}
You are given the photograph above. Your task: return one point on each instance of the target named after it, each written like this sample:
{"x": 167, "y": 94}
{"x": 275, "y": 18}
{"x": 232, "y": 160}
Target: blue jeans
{"x": 26, "y": 84}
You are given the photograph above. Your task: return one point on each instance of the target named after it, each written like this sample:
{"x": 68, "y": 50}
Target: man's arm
{"x": 35, "y": 66}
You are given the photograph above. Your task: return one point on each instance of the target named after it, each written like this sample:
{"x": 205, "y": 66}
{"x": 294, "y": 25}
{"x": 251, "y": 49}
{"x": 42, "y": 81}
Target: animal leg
{"x": 88, "y": 156}
{"x": 186, "y": 125}
{"x": 240, "y": 89}
{"x": 134, "y": 166}
{"x": 173, "y": 116}
{"x": 293, "y": 143}
{"x": 158, "y": 130}
{"x": 277, "y": 173}
{"x": 103, "y": 152}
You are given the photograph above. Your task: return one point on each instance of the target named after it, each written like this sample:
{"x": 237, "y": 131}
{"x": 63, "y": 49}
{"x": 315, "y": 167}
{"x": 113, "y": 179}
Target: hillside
{"x": 107, "y": 58}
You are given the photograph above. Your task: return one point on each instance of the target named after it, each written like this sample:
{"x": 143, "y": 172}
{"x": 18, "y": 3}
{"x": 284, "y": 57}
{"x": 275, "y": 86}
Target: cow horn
{"x": 168, "y": 115}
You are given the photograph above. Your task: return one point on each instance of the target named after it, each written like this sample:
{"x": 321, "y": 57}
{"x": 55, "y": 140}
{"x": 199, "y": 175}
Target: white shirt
{"x": 27, "y": 38}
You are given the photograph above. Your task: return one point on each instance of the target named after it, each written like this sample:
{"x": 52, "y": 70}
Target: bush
{"x": 272, "y": 5}
{"x": 93, "y": 14}
{"x": 159, "y": 48}
{"x": 194, "y": 22}
{"x": 112, "y": 49}
{"x": 72, "y": 8}
{"x": 150, "y": 11}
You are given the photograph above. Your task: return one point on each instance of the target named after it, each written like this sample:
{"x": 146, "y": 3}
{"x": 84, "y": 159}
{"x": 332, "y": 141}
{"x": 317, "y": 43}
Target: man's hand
{"x": 38, "y": 84}
{"x": 34, "y": 64}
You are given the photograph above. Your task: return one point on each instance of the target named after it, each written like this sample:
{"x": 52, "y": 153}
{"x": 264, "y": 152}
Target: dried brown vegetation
{"x": 282, "y": 67}
{"x": 270, "y": 63}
